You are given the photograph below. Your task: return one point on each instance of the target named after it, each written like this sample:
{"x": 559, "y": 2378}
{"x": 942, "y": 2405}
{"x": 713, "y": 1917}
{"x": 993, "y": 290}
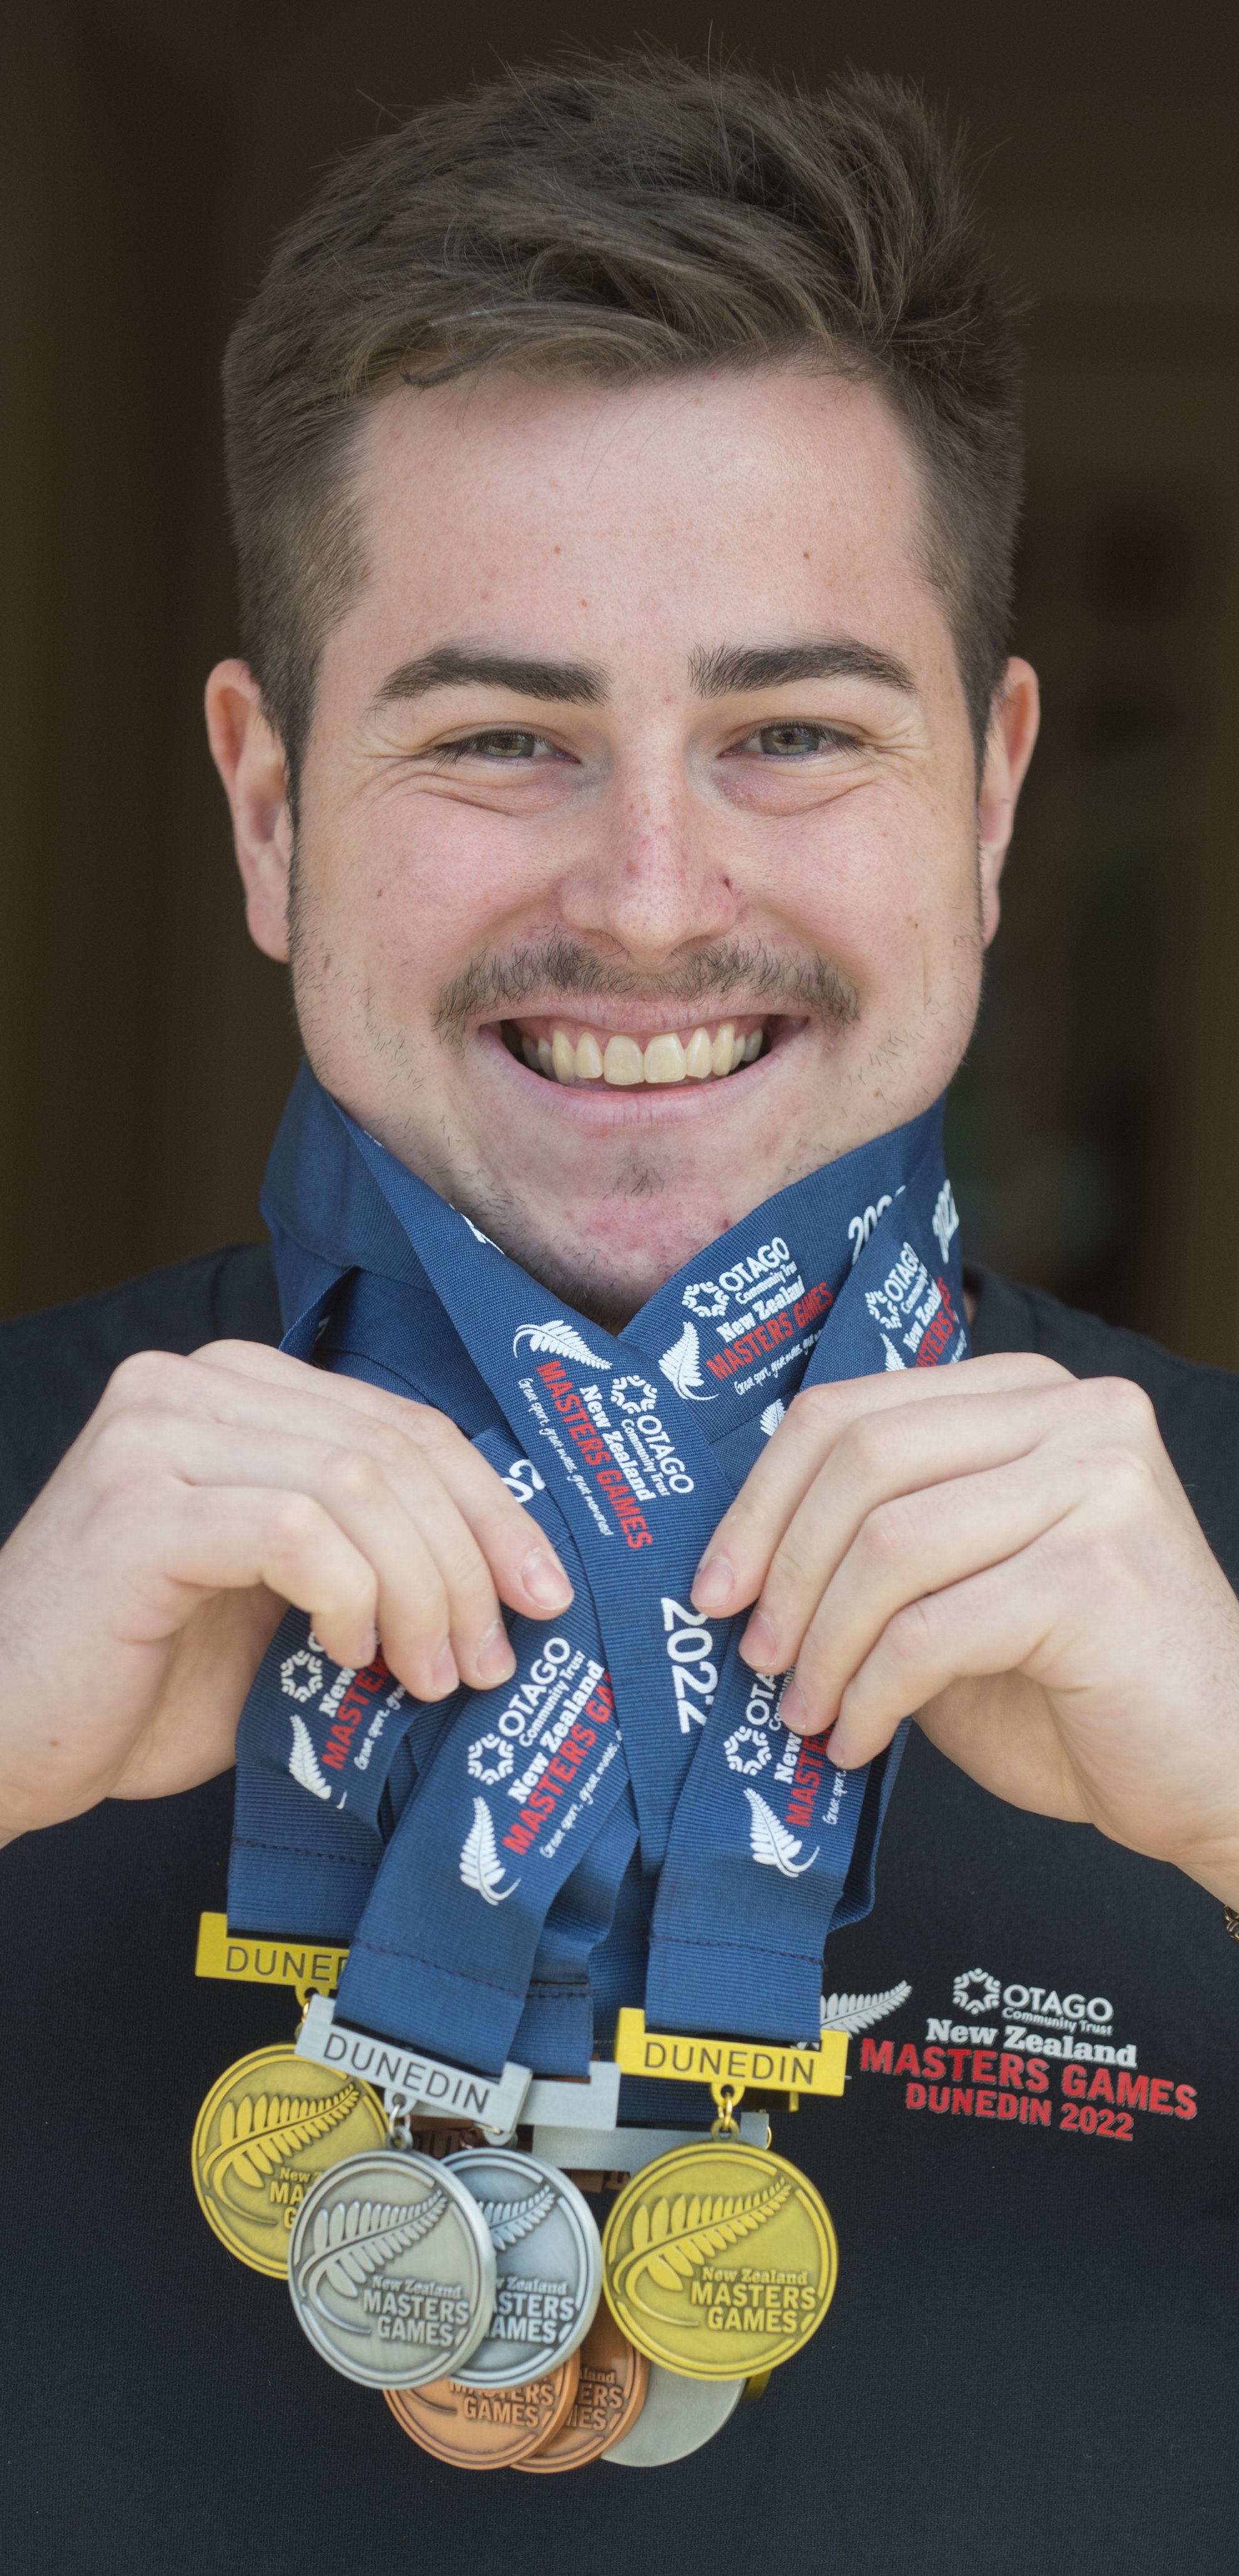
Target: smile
{"x": 565, "y": 1051}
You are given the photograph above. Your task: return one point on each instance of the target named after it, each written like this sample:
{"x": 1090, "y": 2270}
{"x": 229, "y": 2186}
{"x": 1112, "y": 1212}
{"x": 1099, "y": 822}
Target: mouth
{"x": 581, "y": 1055}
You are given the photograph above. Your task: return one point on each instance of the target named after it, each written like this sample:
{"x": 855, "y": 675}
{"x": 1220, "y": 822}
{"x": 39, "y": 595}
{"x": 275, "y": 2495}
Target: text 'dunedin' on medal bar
{"x": 733, "y": 2063}
{"x": 249, "y": 1960}
{"x": 426, "y": 2083}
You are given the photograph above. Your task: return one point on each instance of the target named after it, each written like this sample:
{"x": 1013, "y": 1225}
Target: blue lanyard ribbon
{"x": 494, "y": 1861}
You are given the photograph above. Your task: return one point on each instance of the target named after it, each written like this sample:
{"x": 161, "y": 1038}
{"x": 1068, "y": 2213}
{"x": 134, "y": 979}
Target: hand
{"x": 1007, "y": 1551}
{"x": 139, "y": 1593}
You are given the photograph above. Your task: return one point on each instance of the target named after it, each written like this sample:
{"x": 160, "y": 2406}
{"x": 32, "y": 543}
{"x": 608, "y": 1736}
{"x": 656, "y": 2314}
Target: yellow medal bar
{"x": 730, "y": 2064}
{"x": 313, "y": 1967}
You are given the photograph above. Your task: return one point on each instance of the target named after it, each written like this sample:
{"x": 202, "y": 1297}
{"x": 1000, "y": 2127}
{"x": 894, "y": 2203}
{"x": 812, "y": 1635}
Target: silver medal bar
{"x": 425, "y": 2083}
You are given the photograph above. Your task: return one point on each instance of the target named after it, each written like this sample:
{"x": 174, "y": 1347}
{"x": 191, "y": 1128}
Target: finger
{"x": 994, "y": 1622}
{"x": 916, "y": 1450}
{"x": 245, "y": 1384}
{"x": 736, "y": 1559}
{"x": 437, "y": 1610}
{"x": 527, "y": 1572}
{"x": 227, "y": 1538}
{"x": 916, "y": 1546}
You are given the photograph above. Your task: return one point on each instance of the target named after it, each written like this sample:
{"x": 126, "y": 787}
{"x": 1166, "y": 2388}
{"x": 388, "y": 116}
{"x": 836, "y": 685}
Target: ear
{"x": 250, "y": 761}
{"x": 1009, "y": 748}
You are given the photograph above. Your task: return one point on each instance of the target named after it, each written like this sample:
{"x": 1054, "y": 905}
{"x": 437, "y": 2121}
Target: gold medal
{"x": 719, "y": 2260}
{"x": 271, "y": 2126}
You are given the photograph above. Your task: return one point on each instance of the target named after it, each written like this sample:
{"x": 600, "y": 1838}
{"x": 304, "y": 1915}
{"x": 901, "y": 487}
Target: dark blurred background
{"x": 152, "y": 148}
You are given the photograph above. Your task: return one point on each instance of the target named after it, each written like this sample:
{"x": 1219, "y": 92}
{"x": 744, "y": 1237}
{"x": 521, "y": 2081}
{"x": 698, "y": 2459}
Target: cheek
{"x": 430, "y": 883}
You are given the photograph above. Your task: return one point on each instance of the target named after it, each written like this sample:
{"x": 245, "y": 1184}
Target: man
{"x": 625, "y": 471}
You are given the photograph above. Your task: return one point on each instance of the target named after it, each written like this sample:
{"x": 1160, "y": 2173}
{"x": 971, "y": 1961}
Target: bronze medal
{"x": 609, "y": 2398}
{"x": 485, "y": 2428}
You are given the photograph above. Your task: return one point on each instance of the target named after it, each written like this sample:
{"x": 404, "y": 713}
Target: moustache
{"x": 736, "y": 974}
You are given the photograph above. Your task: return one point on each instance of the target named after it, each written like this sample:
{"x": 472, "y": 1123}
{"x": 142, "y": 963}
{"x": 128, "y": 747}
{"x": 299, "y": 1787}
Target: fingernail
{"x": 713, "y": 1583}
{"x": 495, "y": 1659}
{"x": 760, "y": 1646}
{"x": 546, "y": 1582}
{"x": 443, "y": 1673}
{"x": 794, "y": 1708}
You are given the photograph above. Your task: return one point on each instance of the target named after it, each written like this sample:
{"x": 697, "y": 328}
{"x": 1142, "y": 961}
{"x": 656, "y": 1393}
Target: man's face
{"x": 640, "y": 755}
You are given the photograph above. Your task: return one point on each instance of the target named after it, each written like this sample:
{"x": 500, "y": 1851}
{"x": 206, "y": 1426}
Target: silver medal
{"x": 678, "y": 2416}
{"x": 392, "y": 2269}
{"x": 549, "y": 2265}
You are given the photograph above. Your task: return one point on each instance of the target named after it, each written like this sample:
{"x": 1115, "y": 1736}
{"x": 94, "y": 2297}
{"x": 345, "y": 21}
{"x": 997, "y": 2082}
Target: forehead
{"x": 711, "y": 503}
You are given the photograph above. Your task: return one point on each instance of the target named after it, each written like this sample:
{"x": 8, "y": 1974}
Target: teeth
{"x": 623, "y": 1062}
{"x": 665, "y": 1059}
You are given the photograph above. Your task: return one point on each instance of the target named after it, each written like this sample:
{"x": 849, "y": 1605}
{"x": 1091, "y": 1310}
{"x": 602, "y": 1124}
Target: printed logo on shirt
{"x": 859, "y": 2012}
{"x": 1004, "y": 2069}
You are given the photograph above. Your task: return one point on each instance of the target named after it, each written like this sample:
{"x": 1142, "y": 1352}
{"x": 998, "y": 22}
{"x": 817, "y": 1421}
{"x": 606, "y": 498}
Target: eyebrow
{"x": 721, "y": 671}
{"x": 732, "y": 667}
{"x": 454, "y": 665}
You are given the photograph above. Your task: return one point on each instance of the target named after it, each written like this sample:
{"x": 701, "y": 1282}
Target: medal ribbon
{"x": 509, "y": 1816}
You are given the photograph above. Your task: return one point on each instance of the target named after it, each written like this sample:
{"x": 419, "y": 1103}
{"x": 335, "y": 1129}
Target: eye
{"x": 796, "y": 741}
{"x": 499, "y": 742}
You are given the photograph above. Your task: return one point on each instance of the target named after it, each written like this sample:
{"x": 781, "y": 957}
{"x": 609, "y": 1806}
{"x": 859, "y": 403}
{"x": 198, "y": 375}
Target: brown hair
{"x": 626, "y": 221}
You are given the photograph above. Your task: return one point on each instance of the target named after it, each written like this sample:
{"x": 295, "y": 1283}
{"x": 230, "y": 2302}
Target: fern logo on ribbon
{"x": 682, "y": 1366}
{"x": 354, "y": 2239}
{"x": 303, "y": 1760}
{"x": 772, "y": 1844}
{"x": 561, "y": 1339}
{"x": 480, "y": 1866}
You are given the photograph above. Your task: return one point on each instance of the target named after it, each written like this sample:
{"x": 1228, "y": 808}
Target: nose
{"x": 654, "y": 879}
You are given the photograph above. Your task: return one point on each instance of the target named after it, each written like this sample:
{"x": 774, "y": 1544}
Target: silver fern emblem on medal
{"x": 772, "y": 1844}
{"x": 391, "y": 2269}
{"x": 480, "y": 1866}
